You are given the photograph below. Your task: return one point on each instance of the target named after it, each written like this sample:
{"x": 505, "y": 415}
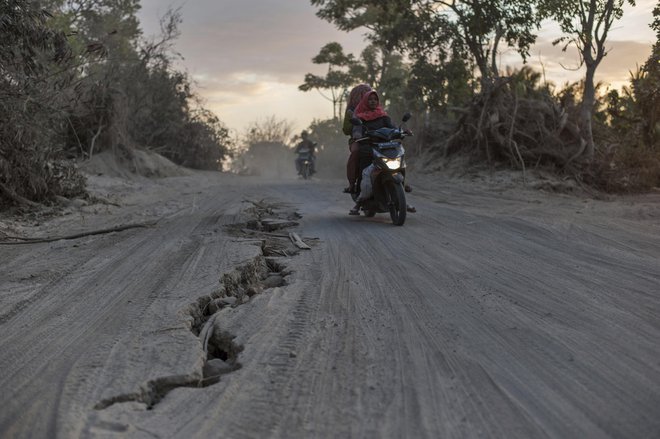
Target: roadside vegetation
{"x": 441, "y": 60}
{"x": 78, "y": 77}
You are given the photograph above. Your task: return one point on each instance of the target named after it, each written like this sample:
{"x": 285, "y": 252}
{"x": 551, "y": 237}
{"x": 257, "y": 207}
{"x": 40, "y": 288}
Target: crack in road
{"x": 236, "y": 288}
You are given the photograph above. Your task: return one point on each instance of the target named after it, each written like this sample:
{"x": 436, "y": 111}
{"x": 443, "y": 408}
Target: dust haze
{"x": 274, "y": 160}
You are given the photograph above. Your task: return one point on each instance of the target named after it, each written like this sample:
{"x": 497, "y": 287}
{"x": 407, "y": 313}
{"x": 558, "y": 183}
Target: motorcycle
{"x": 305, "y": 159}
{"x": 383, "y": 149}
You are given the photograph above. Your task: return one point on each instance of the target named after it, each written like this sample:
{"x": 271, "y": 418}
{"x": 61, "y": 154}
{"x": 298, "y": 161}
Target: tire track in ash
{"x": 329, "y": 383}
{"x": 517, "y": 329}
{"x": 520, "y": 282}
{"x": 486, "y": 325}
{"x": 459, "y": 324}
{"x": 85, "y": 313}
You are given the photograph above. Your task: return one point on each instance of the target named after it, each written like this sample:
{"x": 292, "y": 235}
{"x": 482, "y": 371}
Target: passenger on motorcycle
{"x": 353, "y": 162}
{"x": 304, "y": 146}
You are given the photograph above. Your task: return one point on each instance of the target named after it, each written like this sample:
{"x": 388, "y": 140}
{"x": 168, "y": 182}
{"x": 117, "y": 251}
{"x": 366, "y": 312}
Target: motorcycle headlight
{"x": 393, "y": 163}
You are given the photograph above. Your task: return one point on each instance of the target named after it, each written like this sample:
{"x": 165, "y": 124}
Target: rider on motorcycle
{"x": 373, "y": 117}
{"x": 305, "y": 145}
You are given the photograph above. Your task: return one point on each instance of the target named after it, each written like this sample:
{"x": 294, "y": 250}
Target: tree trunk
{"x": 499, "y": 33}
{"x": 481, "y": 59}
{"x": 484, "y": 70}
{"x": 586, "y": 112}
{"x": 384, "y": 53}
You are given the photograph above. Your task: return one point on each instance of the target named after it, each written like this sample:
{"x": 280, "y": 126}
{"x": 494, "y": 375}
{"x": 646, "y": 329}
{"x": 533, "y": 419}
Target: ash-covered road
{"x": 488, "y": 314}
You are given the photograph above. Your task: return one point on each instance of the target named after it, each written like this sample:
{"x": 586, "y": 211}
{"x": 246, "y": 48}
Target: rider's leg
{"x": 353, "y": 166}
{"x": 406, "y": 187}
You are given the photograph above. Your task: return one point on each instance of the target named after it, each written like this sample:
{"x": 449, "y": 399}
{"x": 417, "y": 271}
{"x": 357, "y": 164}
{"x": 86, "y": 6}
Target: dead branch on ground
{"x": 23, "y": 240}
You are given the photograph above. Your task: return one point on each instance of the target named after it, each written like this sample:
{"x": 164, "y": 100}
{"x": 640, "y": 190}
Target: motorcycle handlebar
{"x": 368, "y": 134}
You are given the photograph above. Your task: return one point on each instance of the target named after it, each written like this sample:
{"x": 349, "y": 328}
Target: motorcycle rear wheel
{"x": 397, "y": 203}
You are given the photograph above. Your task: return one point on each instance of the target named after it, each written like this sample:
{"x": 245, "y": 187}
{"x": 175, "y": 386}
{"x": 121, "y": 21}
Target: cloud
{"x": 247, "y": 57}
{"x": 237, "y": 88}
{"x": 267, "y": 98}
{"x": 277, "y": 37}
{"x": 564, "y": 66}
{"x": 243, "y": 97}
{"x": 623, "y": 57}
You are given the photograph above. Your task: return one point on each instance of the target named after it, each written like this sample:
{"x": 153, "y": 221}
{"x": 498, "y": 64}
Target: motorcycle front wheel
{"x": 397, "y": 203}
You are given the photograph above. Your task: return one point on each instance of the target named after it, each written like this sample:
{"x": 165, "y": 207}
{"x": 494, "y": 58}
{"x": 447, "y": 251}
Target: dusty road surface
{"x": 490, "y": 313}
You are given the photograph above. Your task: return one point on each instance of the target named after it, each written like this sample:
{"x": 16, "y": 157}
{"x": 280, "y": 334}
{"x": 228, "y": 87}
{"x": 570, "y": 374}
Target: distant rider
{"x": 305, "y": 145}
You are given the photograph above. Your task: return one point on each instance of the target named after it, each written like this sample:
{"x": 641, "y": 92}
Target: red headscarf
{"x": 363, "y": 112}
{"x": 356, "y": 94}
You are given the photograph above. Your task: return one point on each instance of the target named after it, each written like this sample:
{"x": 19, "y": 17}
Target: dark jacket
{"x": 347, "y": 126}
{"x": 306, "y": 144}
{"x": 381, "y": 122}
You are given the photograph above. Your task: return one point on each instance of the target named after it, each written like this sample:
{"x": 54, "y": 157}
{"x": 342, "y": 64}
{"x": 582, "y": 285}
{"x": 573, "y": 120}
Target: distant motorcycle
{"x": 305, "y": 159}
{"x": 383, "y": 149}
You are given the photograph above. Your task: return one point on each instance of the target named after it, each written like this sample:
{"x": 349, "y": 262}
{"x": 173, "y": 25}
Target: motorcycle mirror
{"x": 356, "y": 120}
{"x": 406, "y": 117}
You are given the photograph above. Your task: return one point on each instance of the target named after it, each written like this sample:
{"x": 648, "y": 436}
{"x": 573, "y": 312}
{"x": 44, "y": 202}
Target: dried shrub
{"x": 98, "y": 88}
{"x": 520, "y": 122}
{"x": 34, "y": 85}
{"x": 625, "y": 169}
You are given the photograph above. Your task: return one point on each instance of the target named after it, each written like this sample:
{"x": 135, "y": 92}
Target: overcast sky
{"x": 248, "y": 57}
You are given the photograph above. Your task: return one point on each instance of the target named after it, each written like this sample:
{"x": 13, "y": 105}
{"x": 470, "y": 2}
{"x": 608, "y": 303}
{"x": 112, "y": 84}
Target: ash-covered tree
{"x": 133, "y": 95}
{"x": 265, "y": 148}
{"x": 381, "y": 63}
{"x": 443, "y": 41}
{"x": 268, "y": 130}
{"x": 387, "y": 72}
{"x": 441, "y": 72}
{"x": 586, "y": 25}
{"x": 103, "y": 34}
{"x": 631, "y": 160}
{"x": 108, "y": 24}
{"x": 34, "y": 80}
{"x": 478, "y": 27}
{"x": 647, "y": 90}
{"x": 340, "y": 76}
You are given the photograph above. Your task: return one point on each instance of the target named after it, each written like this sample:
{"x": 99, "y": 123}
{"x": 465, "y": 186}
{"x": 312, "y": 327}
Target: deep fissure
{"x": 236, "y": 288}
